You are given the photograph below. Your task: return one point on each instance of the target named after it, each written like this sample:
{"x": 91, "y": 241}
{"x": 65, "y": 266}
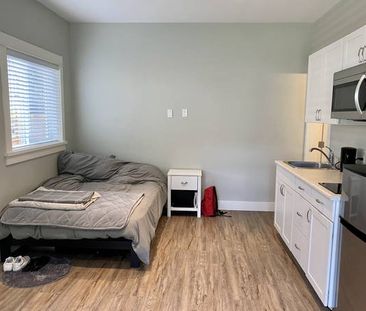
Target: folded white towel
{"x": 55, "y": 206}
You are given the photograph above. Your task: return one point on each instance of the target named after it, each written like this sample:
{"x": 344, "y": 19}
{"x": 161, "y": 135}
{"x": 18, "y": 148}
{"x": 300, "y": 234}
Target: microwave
{"x": 349, "y": 94}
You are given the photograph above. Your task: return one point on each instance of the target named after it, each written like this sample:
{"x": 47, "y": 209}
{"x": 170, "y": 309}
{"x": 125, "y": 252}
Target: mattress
{"x": 140, "y": 228}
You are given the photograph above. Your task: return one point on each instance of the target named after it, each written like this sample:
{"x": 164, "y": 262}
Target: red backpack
{"x": 209, "y": 203}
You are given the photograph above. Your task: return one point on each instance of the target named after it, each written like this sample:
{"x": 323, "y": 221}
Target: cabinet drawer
{"x": 304, "y": 189}
{"x": 299, "y": 248}
{"x": 302, "y": 215}
{"x": 184, "y": 183}
{"x": 323, "y": 204}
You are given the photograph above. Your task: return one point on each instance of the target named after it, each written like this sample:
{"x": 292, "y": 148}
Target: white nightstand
{"x": 184, "y": 186}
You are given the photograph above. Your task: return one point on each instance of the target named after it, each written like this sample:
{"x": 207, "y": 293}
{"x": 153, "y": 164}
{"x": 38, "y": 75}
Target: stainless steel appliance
{"x": 333, "y": 187}
{"x": 349, "y": 94}
{"x": 351, "y": 292}
{"x": 348, "y": 156}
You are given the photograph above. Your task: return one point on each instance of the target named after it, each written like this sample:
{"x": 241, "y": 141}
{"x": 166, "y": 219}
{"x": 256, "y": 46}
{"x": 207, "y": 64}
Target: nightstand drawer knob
{"x": 184, "y": 182}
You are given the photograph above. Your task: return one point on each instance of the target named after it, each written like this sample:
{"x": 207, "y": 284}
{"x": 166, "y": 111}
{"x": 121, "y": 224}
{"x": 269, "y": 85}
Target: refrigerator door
{"x": 354, "y": 192}
{"x": 352, "y": 295}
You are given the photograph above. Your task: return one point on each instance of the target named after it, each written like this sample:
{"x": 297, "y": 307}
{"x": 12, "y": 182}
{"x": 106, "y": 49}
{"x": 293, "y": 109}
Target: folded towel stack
{"x": 50, "y": 199}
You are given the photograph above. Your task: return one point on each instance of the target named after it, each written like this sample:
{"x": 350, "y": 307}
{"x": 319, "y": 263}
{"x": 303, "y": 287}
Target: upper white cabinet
{"x": 322, "y": 66}
{"x": 354, "y": 48}
{"x": 333, "y": 62}
{"x": 315, "y": 87}
{"x": 342, "y": 54}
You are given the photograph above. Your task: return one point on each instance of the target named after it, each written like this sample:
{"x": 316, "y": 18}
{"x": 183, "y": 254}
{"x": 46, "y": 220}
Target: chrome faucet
{"x": 330, "y": 158}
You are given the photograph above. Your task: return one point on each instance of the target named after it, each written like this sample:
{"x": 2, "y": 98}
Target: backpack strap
{"x": 222, "y": 213}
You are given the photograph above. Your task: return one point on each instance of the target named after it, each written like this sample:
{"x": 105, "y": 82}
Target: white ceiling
{"x": 187, "y": 11}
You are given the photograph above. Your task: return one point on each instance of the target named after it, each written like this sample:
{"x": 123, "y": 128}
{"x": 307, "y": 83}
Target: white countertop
{"x": 315, "y": 176}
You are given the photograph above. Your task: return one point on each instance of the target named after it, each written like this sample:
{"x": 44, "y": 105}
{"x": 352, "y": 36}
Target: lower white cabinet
{"x": 300, "y": 235}
{"x": 310, "y": 232}
{"x": 279, "y": 206}
{"x": 287, "y": 215}
{"x": 320, "y": 244}
{"x": 283, "y": 214}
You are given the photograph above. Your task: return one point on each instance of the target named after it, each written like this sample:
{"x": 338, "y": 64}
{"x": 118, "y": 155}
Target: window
{"x": 32, "y": 100}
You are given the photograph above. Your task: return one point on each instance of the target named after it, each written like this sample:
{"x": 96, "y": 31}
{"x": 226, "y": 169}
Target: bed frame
{"x": 111, "y": 244}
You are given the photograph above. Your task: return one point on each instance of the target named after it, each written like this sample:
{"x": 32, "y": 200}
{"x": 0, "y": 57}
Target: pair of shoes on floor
{"x": 15, "y": 264}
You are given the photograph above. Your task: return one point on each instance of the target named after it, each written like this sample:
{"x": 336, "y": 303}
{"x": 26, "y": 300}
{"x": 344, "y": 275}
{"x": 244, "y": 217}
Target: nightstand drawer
{"x": 184, "y": 182}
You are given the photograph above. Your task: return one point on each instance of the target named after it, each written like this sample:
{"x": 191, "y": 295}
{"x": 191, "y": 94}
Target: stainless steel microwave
{"x": 349, "y": 94}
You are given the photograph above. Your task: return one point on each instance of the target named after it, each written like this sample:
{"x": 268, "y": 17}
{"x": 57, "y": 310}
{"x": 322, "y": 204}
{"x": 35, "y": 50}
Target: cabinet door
{"x": 320, "y": 243}
{"x": 287, "y": 214}
{"x": 300, "y": 231}
{"x": 279, "y": 206}
{"x": 352, "y": 45}
{"x": 333, "y": 60}
{"x": 315, "y": 87}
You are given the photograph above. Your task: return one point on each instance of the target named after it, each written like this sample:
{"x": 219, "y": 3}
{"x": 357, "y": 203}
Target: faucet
{"x": 330, "y": 158}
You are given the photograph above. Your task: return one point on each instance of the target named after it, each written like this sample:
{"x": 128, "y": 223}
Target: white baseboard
{"x": 246, "y": 206}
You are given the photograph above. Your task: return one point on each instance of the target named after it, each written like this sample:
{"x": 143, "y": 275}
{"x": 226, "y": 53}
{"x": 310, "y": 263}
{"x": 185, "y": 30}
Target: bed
{"x": 124, "y": 177}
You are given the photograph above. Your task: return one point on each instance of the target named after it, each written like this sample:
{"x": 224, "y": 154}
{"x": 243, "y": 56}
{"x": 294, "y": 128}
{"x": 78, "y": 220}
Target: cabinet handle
{"x": 359, "y": 55}
{"x": 316, "y": 115}
{"x": 184, "y": 182}
{"x": 298, "y": 214}
{"x": 301, "y": 188}
{"x": 297, "y": 247}
{"x": 308, "y": 215}
{"x": 319, "y": 115}
{"x": 318, "y": 201}
{"x": 281, "y": 190}
{"x": 357, "y": 94}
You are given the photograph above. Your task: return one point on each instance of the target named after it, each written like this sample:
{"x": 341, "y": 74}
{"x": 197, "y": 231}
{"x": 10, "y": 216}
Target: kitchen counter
{"x": 315, "y": 176}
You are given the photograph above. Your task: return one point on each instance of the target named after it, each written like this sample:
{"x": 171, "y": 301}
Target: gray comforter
{"x": 132, "y": 178}
{"x": 111, "y": 211}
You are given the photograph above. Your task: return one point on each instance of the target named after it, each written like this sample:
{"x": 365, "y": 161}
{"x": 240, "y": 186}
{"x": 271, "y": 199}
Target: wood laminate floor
{"x": 222, "y": 263}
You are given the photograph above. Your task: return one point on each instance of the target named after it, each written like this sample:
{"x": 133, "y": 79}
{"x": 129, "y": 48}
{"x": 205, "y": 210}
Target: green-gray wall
{"x": 243, "y": 85}
{"x": 32, "y": 22}
{"x": 344, "y": 18}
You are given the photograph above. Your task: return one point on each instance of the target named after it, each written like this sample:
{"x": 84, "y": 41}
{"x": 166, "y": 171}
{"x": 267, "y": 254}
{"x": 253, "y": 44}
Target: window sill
{"x": 27, "y": 154}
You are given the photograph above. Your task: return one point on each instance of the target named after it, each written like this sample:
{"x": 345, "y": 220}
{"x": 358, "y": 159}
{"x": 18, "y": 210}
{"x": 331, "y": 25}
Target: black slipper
{"x": 36, "y": 263}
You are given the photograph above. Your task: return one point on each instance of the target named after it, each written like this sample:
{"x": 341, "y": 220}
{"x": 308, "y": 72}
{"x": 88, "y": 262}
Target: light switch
{"x": 169, "y": 113}
{"x": 184, "y": 113}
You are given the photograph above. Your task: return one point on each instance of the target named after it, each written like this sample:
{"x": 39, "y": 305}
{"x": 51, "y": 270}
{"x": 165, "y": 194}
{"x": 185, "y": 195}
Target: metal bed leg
{"x": 134, "y": 260}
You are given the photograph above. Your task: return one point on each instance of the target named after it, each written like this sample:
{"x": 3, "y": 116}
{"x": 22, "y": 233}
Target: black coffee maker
{"x": 348, "y": 156}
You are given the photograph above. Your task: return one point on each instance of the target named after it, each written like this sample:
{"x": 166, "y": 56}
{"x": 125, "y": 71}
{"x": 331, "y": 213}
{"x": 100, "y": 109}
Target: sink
{"x": 308, "y": 164}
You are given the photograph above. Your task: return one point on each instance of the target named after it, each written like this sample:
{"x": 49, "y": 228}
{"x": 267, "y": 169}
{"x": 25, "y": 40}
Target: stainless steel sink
{"x": 308, "y": 164}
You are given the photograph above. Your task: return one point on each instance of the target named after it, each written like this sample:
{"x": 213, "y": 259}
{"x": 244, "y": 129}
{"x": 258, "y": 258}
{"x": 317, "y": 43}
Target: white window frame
{"x": 40, "y": 150}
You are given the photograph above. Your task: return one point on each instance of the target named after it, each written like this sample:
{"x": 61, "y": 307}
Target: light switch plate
{"x": 184, "y": 113}
{"x": 169, "y": 113}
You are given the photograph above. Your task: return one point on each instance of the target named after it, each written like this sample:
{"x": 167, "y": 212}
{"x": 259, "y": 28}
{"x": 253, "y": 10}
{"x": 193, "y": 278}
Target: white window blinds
{"x": 34, "y": 101}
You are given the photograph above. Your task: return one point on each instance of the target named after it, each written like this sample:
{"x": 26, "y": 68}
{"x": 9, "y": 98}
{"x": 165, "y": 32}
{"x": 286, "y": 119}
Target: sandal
{"x": 20, "y": 262}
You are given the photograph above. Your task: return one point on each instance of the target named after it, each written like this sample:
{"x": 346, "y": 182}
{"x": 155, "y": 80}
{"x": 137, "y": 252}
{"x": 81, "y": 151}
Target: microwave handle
{"x": 357, "y": 94}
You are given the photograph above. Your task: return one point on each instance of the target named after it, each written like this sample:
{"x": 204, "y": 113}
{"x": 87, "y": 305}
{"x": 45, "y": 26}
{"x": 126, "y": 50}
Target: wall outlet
{"x": 169, "y": 113}
{"x": 184, "y": 113}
